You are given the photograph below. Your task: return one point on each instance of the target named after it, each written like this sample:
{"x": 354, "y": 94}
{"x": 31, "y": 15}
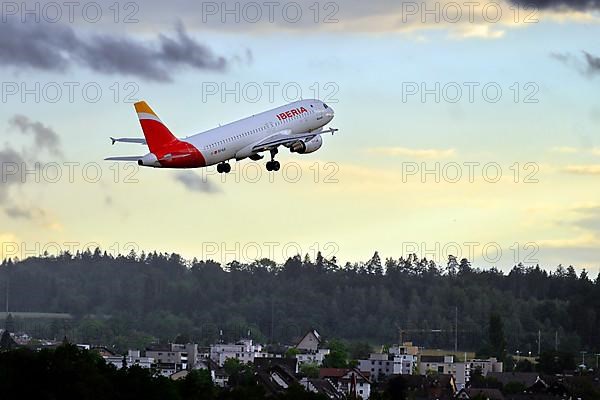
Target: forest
{"x": 135, "y": 299}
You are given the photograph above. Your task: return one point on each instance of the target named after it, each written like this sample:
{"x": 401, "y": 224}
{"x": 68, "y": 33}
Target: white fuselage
{"x": 225, "y": 142}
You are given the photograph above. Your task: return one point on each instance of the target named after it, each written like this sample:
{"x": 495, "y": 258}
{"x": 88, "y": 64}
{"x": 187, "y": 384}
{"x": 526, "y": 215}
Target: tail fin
{"x": 156, "y": 133}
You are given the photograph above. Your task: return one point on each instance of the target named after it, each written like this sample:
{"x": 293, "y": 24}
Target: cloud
{"x": 15, "y": 163}
{"x": 12, "y": 163}
{"x": 17, "y": 212}
{"x": 45, "y": 137}
{"x": 560, "y": 5}
{"x": 564, "y": 150}
{"x": 55, "y": 47}
{"x": 412, "y": 153}
{"x": 588, "y": 66}
{"x": 593, "y": 169}
{"x": 196, "y": 183}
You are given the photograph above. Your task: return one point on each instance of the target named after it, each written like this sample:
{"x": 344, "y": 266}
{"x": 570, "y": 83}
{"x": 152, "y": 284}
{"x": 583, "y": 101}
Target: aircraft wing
{"x": 286, "y": 137}
{"x": 128, "y": 140}
{"x": 123, "y": 158}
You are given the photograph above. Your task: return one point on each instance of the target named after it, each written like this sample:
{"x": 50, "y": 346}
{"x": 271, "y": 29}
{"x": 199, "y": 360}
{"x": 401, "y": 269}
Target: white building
{"x": 245, "y": 351}
{"x": 400, "y": 360}
{"x": 133, "y": 357}
{"x": 486, "y": 366}
{"x": 308, "y": 357}
{"x": 172, "y": 358}
{"x": 309, "y": 349}
{"x": 439, "y": 364}
{"x": 461, "y": 371}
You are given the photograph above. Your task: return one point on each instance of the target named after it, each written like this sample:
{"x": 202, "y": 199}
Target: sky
{"x": 468, "y": 129}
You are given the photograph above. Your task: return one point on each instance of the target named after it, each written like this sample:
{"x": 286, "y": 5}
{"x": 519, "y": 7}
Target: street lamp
{"x": 583, "y": 353}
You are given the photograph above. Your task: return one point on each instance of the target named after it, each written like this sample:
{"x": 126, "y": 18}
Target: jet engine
{"x": 149, "y": 160}
{"x": 302, "y": 147}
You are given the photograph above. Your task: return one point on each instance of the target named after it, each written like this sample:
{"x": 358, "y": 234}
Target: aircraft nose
{"x": 329, "y": 113}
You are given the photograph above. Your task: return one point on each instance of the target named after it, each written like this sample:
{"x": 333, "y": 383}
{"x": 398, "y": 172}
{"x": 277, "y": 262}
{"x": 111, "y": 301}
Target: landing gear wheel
{"x": 223, "y": 168}
{"x": 273, "y": 165}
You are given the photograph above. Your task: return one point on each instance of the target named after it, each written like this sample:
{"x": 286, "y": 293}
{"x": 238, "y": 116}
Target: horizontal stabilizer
{"x": 123, "y": 158}
{"x": 128, "y": 140}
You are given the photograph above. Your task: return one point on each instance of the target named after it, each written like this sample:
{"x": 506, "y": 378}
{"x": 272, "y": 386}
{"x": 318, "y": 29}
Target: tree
{"x": 373, "y": 266}
{"x": 292, "y": 352}
{"x": 9, "y": 323}
{"x": 553, "y": 362}
{"x": 198, "y": 385}
{"x": 338, "y": 355}
{"x": 396, "y": 388}
{"x": 310, "y": 370}
{"x": 496, "y": 336}
{"x": 7, "y": 342}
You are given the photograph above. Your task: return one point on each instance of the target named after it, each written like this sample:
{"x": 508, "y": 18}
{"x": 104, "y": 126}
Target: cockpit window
{"x": 325, "y": 105}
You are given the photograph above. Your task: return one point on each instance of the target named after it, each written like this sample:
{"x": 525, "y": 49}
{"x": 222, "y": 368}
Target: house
{"x": 460, "y": 371}
{"x": 265, "y": 363}
{"x": 312, "y": 357}
{"x": 529, "y": 380}
{"x": 396, "y": 362}
{"x": 172, "y": 358}
{"x": 276, "y": 374}
{"x": 217, "y": 373}
{"x": 323, "y": 387}
{"x": 433, "y": 386}
{"x": 439, "y": 364}
{"x": 310, "y": 341}
{"x": 309, "y": 349}
{"x": 406, "y": 348}
{"x": 378, "y": 365}
{"x": 133, "y": 357}
{"x": 483, "y": 393}
{"x": 486, "y": 366}
{"x": 245, "y": 351}
{"x": 349, "y": 381}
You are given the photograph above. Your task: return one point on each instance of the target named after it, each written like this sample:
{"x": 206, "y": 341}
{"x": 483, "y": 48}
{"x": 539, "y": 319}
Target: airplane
{"x": 297, "y": 126}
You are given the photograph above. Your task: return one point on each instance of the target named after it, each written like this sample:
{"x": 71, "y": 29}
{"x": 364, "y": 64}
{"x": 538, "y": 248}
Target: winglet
{"x": 113, "y": 140}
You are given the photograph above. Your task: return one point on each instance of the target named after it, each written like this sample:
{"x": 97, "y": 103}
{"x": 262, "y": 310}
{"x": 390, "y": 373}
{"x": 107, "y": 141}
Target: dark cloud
{"x": 559, "y": 5}
{"x": 55, "y": 47}
{"x": 45, "y": 137}
{"x": 11, "y": 163}
{"x": 16, "y": 212}
{"x": 14, "y": 164}
{"x": 196, "y": 183}
{"x": 590, "y": 220}
{"x": 589, "y": 65}
{"x": 593, "y": 63}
